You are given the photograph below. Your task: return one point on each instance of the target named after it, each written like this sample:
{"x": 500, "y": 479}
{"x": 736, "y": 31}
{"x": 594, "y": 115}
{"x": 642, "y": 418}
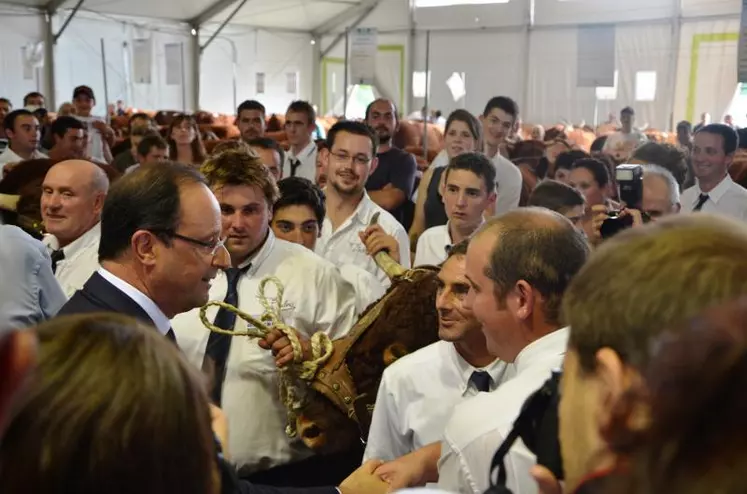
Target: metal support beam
{"x": 343, "y": 34}
{"x": 49, "y": 75}
{"x": 68, "y": 20}
{"x": 196, "y": 57}
{"x": 343, "y": 17}
{"x": 210, "y": 12}
{"x": 223, "y": 25}
{"x": 54, "y": 5}
{"x": 410, "y": 57}
{"x": 316, "y": 74}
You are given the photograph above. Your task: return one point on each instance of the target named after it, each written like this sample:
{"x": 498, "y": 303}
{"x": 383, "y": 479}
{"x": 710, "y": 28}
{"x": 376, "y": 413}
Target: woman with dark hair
{"x": 185, "y": 141}
{"x": 529, "y": 157}
{"x": 111, "y": 407}
{"x": 683, "y": 429}
{"x": 463, "y": 134}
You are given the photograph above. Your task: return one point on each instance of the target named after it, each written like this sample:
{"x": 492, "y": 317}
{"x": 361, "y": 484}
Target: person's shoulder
{"x": 388, "y": 222}
{"x": 295, "y": 256}
{"x": 13, "y": 238}
{"x": 416, "y": 364}
{"x": 479, "y": 415}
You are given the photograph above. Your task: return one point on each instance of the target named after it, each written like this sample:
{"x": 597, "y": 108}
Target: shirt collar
{"x": 76, "y": 245}
{"x": 305, "y": 152}
{"x": 718, "y": 191}
{"x": 254, "y": 262}
{"x": 156, "y": 315}
{"x": 549, "y": 346}
{"x": 496, "y": 368}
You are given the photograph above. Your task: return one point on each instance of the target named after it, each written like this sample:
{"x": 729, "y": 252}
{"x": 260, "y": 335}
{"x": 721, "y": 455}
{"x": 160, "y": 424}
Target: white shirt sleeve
{"x": 335, "y": 305}
{"x": 419, "y": 252}
{"x": 453, "y": 473}
{"x": 404, "y": 247}
{"x": 387, "y": 440}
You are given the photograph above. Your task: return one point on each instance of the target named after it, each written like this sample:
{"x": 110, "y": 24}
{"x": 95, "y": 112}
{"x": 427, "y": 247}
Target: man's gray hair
{"x": 666, "y": 175}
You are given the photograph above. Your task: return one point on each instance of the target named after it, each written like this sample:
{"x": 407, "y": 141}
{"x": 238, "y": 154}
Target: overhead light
{"x": 194, "y": 32}
{"x": 313, "y": 41}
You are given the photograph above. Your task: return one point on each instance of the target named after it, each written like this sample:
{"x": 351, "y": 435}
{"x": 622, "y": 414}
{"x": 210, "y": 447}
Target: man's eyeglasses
{"x": 211, "y": 247}
{"x": 358, "y": 159}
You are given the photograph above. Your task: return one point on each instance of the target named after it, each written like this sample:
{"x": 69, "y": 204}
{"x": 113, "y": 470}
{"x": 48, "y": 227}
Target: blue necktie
{"x": 481, "y": 380}
{"x": 218, "y": 344}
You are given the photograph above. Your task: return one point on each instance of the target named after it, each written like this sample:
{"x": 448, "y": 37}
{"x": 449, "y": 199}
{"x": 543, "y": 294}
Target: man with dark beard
{"x": 391, "y": 183}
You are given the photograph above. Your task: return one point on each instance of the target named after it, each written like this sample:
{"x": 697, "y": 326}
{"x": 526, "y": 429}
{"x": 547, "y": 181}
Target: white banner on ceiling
{"x": 142, "y": 58}
{"x": 363, "y": 49}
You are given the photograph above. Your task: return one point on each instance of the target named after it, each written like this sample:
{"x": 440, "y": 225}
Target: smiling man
{"x": 72, "y": 199}
{"x": 349, "y": 161}
{"x": 469, "y": 191}
{"x": 160, "y": 247}
{"x": 315, "y": 298}
{"x": 713, "y": 152}
{"x": 418, "y": 392}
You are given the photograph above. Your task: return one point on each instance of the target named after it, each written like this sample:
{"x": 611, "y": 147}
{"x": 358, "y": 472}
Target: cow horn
{"x": 9, "y": 202}
{"x": 391, "y": 267}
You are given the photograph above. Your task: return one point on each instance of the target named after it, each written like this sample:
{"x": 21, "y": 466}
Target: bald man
{"x": 73, "y": 196}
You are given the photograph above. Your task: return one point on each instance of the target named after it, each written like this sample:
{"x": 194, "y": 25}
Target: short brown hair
{"x": 540, "y": 247}
{"x": 651, "y": 278}
{"x": 232, "y": 145}
{"x": 238, "y": 168}
{"x": 112, "y": 406}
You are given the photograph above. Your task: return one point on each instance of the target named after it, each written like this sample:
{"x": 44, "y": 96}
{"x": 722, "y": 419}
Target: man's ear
{"x": 144, "y": 246}
{"x": 374, "y": 164}
{"x": 525, "y": 300}
{"x": 612, "y": 381}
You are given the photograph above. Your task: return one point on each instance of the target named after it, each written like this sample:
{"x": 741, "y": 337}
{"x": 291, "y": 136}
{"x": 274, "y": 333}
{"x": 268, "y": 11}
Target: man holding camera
{"x": 649, "y": 198}
{"x": 633, "y": 289}
{"x": 518, "y": 266}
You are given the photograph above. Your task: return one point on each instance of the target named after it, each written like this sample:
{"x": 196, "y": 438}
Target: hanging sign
{"x": 363, "y": 49}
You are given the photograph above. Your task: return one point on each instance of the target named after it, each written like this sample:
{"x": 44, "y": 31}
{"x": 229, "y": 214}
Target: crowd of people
{"x": 127, "y": 391}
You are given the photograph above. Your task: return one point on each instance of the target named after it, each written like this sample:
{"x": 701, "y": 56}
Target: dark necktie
{"x": 481, "y": 380}
{"x": 170, "y": 335}
{"x": 295, "y": 163}
{"x": 701, "y": 201}
{"x": 57, "y": 256}
{"x": 218, "y": 344}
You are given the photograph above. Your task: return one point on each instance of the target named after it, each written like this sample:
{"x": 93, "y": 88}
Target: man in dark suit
{"x": 160, "y": 248}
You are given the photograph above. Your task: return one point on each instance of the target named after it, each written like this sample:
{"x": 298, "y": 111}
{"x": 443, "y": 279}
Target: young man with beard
{"x": 250, "y": 119}
{"x": 349, "y": 161}
{"x": 391, "y": 183}
{"x": 636, "y": 286}
{"x": 418, "y": 392}
{"x": 315, "y": 298}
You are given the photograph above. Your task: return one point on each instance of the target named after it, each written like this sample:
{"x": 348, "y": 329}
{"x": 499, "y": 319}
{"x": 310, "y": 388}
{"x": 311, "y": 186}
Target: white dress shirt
{"x": 154, "y": 312}
{"x": 80, "y": 262}
{"x": 727, "y": 198}
{"x": 344, "y": 246}
{"x": 432, "y": 246}
{"x": 9, "y": 156}
{"x": 479, "y": 425}
{"x": 368, "y": 288}
{"x": 307, "y": 157}
{"x": 416, "y": 397}
{"x": 315, "y": 298}
{"x": 508, "y": 183}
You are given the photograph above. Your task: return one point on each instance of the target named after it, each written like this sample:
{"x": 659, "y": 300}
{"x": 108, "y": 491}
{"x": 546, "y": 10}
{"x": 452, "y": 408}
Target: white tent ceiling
{"x": 300, "y": 15}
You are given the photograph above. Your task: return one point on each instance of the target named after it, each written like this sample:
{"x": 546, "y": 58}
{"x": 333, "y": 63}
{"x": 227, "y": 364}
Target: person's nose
{"x": 222, "y": 259}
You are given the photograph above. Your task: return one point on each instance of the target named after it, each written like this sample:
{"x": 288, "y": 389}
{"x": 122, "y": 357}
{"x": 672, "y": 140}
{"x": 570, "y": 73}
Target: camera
{"x": 537, "y": 426}
{"x": 630, "y": 187}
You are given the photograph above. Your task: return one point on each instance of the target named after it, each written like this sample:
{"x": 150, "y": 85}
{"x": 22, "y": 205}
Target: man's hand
{"x": 220, "y": 427}
{"x": 546, "y": 481}
{"x": 376, "y": 239}
{"x": 8, "y": 167}
{"x": 364, "y": 480}
{"x": 281, "y": 348}
{"x": 599, "y": 215}
{"x": 406, "y": 471}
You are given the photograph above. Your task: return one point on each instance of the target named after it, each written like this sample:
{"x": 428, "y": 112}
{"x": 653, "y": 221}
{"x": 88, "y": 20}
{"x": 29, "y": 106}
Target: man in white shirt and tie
{"x": 300, "y": 124}
{"x": 73, "y": 194}
{"x": 714, "y": 146}
{"x": 349, "y": 161}
{"x": 418, "y": 392}
{"x": 315, "y": 298}
{"x": 469, "y": 191}
{"x": 518, "y": 266}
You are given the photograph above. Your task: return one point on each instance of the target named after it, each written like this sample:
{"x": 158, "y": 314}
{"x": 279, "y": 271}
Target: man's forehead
{"x": 464, "y": 178}
{"x": 345, "y": 141}
{"x": 499, "y": 114}
{"x": 382, "y": 106}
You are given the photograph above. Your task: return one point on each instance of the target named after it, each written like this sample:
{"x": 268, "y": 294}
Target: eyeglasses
{"x": 358, "y": 159}
{"x": 212, "y": 248}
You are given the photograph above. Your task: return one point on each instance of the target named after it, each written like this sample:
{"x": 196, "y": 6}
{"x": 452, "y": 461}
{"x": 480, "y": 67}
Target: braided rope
{"x": 292, "y": 394}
